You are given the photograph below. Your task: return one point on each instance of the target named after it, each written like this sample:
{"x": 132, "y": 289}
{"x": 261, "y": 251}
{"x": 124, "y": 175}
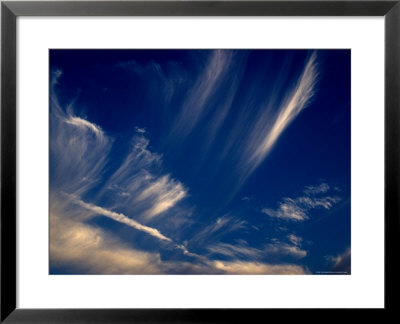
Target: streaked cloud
{"x": 221, "y": 226}
{"x": 208, "y": 83}
{"x": 139, "y": 159}
{"x": 123, "y": 219}
{"x": 292, "y": 105}
{"x": 245, "y": 148}
{"x": 241, "y": 250}
{"x": 138, "y": 185}
{"x": 266, "y": 124}
{"x": 78, "y": 152}
{"x": 164, "y": 194}
{"x": 298, "y": 209}
{"x": 79, "y": 122}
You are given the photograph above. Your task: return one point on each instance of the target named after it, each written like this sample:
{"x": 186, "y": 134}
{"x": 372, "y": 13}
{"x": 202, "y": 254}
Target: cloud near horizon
{"x": 241, "y": 267}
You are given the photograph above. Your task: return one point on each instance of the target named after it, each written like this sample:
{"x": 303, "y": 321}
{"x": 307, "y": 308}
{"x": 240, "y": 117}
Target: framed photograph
{"x": 186, "y": 161}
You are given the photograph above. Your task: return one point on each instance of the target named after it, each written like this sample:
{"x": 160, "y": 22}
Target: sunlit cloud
{"x": 73, "y": 239}
{"x": 86, "y": 249}
{"x": 242, "y": 267}
{"x": 81, "y": 248}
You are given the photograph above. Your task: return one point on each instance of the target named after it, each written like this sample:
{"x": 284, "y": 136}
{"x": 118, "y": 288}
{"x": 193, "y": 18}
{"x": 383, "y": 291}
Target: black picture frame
{"x": 10, "y": 10}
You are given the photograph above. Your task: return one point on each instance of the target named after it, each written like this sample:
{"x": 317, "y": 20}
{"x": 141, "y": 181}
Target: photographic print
{"x": 200, "y": 161}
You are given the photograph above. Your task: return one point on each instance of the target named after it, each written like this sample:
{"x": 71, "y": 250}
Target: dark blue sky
{"x": 199, "y": 161}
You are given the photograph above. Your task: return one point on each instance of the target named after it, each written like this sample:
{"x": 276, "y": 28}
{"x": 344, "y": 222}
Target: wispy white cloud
{"x": 220, "y": 227}
{"x": 292, "y": 249}
{"x": 317, "y": 189}
{"x": 139, "y": 158}
{"x": 298, "y": 209}
{"x": 138, "y": 185}
{"x": 78, "y": 151}
{"x": 164, "y": 194}
{"x": 264, "y": 139}
{"x": 195, "y": 104}
{"x": 258, "y": 128}
{"x": 140, "y": 130}
{"x": 323, "y": 202}
{"x": 296, "y": 240}
{"x": 288, "y": 210}
{"x": 239, "y": 250}
{"x": 242, "y": 250}
{"x": 123, "y": 219}
{"x": 79, "y": 122}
